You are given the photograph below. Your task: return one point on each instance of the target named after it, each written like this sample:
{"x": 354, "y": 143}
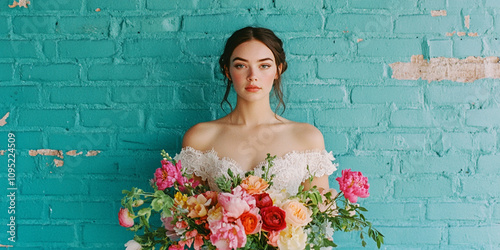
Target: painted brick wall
{"x": 96, "y": 94}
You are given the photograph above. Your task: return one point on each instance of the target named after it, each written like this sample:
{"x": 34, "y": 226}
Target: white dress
{"x": 290, "y": 170}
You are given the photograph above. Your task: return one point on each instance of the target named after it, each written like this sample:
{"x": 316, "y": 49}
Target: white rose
{"x": 133, "y": 245}
{"x": 292, "y": 238}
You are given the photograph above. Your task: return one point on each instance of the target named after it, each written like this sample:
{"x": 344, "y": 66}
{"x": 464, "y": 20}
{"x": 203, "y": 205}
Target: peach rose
{"x": 197, "y": 206}
{"x": 296, "y": 213}
{"x": 254, "y": 185}
{"x": 272, "y": 238}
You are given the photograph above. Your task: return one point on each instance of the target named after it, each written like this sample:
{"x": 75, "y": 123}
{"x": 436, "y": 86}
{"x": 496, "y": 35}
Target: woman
{"x": 253, "y": 62}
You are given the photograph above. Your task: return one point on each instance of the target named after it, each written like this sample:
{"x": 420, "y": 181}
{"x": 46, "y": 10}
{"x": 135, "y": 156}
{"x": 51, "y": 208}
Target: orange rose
{"x": 251, "y": 222}
{"x": 296, "y": 213}
{"x": 254, "y": 185}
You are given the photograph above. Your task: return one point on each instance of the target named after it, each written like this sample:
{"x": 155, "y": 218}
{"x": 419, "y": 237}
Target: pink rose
{"x": 353, "y": 185}
{"x": 227, "y": 236}
{"x": 272, "y": 238}
{"x": 125, "y": 218}
{"x": 236, "y": 203}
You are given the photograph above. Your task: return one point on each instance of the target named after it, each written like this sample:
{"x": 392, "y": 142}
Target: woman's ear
{"x": 226, "y": 72}
{"x": 280, "y": 68}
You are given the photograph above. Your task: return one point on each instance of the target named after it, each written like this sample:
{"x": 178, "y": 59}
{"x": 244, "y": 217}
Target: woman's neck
{"x": 252, "y": 113}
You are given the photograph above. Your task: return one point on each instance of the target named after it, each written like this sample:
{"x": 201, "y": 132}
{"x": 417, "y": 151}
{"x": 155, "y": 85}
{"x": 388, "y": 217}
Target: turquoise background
{"x": 131, "y": 79}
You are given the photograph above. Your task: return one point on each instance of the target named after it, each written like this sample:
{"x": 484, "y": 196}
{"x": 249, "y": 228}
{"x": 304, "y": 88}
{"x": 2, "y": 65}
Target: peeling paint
{"x": 73, "y": 153}
{"x": 472, "y": 34}
{"x": 51, "y": 152}
{"x": 442, "y": 68}
{"x": 21, "y": 3}
{"x": 360, "y": 40}
{"x": 93, "y": 153}
{"x": 460, "y": 33}
{"x": 438, "y": 13}
{"x": 2, "y": 152}
{"x": 7, "y": 246}
{"x": 450, "y": 33}
{"x": 467, "y": 21}
{"x": 58, "y": 163}
{"x": 98, "y": 9}
{"x": 3, "y": 121}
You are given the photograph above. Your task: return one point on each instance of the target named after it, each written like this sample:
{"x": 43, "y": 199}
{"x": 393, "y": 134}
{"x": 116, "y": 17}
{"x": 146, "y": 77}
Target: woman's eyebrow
{"x": 244, "y": 60}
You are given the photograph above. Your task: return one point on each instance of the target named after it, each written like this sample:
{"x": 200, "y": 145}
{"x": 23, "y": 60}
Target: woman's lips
{"x": 252, "y": 88}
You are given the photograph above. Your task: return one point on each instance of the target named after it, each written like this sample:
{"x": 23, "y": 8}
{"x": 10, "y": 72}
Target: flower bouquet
{"x": 246, "y": 214}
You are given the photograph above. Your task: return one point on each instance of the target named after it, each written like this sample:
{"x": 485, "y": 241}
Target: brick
{"x": 95, "y": 233}
{"x": 27, "y": 140}
{"x": 483, "y": 117}
{"x": 114, "y": 72}
{"x": 151, "y": 25}
{"x": 480, "y": 21}
{"x": 479, "y": 185}
{"x": 281, "y": 23}
{"x": 212, "y": 47}
{"x": 191, "y": 94}
{"x": 49, "y": 49}
{"x": 463, "y": 4}
{"x": 492, "y": 4}
{"x": 458, "y": 94}
{"x": 437, "y": 187}
{"x": 385, "y": 95}
{"x": 457, "y": 211}
{"x": 149, "y": 141}
{"x": 412, "y": 236}
{"x": 164, "y": 48}
{"x": 78, "y": 95}
{"x": 385, "y": 141}
{"x": 379, "y": 189}
{"x": 491, "y": 46}
{"x": 315, "y": 94}
{"x": 112, "y": 118}
{"x": 343, "y": 70}
{"x": 18, "y": 95}
{"x": 440, "y": 48}
{"x": 424, "y": 118}
{"x": 46, "y": 233}
{"x": 427, "y": 24}
{"x": 453, "y": 163}
{"x": 457, "y": 141}
{"x": 112, "y": 188}
{"x": 4, "y": 28}
{"x": 47, "y": 117}
{"x": 298, "y": 5}
{"x": 396, "y": 48}
{"x": 29, "y": 209}
{"x": 84, "y": 25}
{"x": 394, "y": 211}
{"x": 475, "y": 235}
{"x": 79, "y": 141}
{"x": 368, "y": 165}
{"x": 390, "y": 4}
{"x": 56, "y": 5}
{"x": 300, "y": 70}
{"x": 142, "y": 94}
{"x": 357, "y": 23}
{"x": 204, "y": 23}
{"x": 465, "y": 47}
{"x": 109, "y": 6}
{"x": 338, "y": 143}
{"x": 38, "y": 72}
{"x": 176, "y": 5}
{"x": 17, "y": 49}
{"x": 489, "y": 164}
{"x": 83, "y": 164}
{"x": 81, "y": 210}
{"x": 180, "y": 118}
{"x": 34, "y": 25}
{"x": 54, "y": 186}
{"x": 184, "y": 71}
{"x": 485, "y": 142}
{"x": 318, "y": 46}
{"x": 86, "y": 49}
{"x": 366, "y": 117}
{"x": 428, "y": 5}
{"x": 245, "y": 4}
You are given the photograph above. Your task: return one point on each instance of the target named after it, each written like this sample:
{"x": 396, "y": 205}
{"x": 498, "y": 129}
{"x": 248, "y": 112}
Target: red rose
{"x": 273, "y": 218}
{"x": 263, "y": 200}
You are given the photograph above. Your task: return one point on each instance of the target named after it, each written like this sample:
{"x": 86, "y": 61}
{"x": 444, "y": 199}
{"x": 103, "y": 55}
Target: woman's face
{"x": 252, "y": 68}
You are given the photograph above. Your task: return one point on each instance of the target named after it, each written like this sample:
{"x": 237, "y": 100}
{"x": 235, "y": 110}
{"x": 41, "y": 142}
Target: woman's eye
{"x": 265, "y": 66}
{"x": 239, "y": 66}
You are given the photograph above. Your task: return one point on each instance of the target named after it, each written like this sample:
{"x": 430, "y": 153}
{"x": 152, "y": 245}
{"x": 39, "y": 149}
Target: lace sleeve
{"x": 194, "y": 162}
{"x": 320, "y": 163}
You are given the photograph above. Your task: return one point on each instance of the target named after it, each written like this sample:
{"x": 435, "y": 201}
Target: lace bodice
{"x": 290, "y": 169}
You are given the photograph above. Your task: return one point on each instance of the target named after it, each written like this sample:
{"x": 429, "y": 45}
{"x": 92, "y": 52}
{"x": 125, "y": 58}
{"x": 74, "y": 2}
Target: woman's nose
{"x": 251, "y": 75}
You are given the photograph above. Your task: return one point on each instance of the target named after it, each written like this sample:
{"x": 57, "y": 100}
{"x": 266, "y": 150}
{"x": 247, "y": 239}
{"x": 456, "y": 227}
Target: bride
{"x": 252, "y": 63}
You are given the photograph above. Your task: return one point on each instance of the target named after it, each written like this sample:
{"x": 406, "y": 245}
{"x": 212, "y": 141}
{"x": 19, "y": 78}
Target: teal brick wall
{"x": 128, "y": 80}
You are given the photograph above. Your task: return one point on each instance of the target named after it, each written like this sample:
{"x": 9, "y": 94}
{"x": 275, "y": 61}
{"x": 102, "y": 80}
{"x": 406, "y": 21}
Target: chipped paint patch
{"x": 21, "y": 3}
{"x": 472, "y": 34}
{"x": 360, "y": 40}
{"x": 93, "y": 153}
{"x": 460, "y": 33}
{"x": 467, "y": 21}
{"x": 2, "y": 152}
{"x": 3, "y": 121}
{"x": 438, "y": 13}
{"x": 469, "y": 69}
{"x": 450, "y": 33}
{"x": 50, "y": 152}
{"x": 73, "y": 153}
{"x": 58, "y": 163}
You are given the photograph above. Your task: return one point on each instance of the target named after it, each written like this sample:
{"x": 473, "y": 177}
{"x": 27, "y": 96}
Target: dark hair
{"x": 267, "y": 37}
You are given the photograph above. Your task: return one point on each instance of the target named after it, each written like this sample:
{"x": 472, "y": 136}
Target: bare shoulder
{"x": 308, "y": 135}
{"x": 201, "y": 135}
